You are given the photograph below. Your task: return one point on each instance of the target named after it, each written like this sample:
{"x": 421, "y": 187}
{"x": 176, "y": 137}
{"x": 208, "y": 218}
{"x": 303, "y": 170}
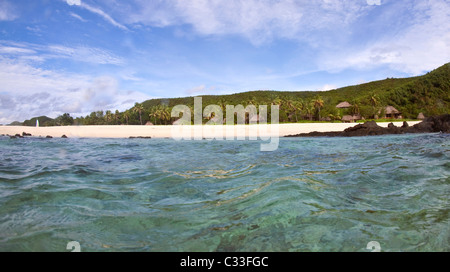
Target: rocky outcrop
{"x": 429, "y": 125}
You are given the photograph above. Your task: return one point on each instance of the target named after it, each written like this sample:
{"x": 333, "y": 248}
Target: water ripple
{"x": 324, "y": 194}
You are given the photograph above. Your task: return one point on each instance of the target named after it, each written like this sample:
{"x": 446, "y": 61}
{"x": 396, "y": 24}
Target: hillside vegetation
{"x": 428, "y": 94}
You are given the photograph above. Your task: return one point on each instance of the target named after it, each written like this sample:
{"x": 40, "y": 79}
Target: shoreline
{"x": 193, "y": 131}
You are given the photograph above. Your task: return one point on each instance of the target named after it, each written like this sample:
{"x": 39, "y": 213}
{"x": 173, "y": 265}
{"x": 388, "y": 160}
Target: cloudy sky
{"x": 79, "y": 56}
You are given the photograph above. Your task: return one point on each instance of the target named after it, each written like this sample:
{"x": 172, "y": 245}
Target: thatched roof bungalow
{"x": 344, "y": 105}
{"x": 351, "y": 118}
{"x": 391, "y": 112}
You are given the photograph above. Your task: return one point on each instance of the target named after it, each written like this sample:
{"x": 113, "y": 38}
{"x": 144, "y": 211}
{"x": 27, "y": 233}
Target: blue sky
{"x": 79, "y": 56}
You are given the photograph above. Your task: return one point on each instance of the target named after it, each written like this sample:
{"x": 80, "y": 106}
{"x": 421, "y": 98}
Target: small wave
{"x": 217, "y": 173}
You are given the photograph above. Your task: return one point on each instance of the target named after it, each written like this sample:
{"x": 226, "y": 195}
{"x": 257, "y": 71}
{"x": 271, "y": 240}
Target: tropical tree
{"x": 165, "y": 114}
{"x": 296, "y": 107}
{"x": 153, "y": 114}
{"x": 161, "y": 113}
{"x": 374, "y": 101}
{"x": 117, "y": 117}
{"x": 108, "y": 116}
{"x": 318, "y": 105}
{"x": 126, "y": 115}
{"x": 139, "y": 108}
{"x": 291, "y": 108}
{"x": 64, "y": 120}
{"x": 355, "y": 109}
{"x": 277, "y": 101}
{"x": 309, "y": 109}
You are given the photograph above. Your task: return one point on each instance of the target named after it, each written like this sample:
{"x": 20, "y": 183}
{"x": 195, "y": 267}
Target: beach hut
{"x": 420, "y": 116}
{"x": 351, "y": 118}
{"x": 347, "y": 119}
{"x": 149, "y": 123}
{"x": 391, "y": 112}
{"x": 343, "y": 105}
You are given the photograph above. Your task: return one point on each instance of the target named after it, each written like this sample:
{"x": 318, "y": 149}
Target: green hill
{"x": 44, "y": 121}
{"x": 428, "y": 94}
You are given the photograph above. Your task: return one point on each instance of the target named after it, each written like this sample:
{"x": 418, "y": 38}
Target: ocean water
{"x": 312, "y": 194}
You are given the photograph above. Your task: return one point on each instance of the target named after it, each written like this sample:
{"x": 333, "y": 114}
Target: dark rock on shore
{"x": 49, "y": 137}
{"x": 429, "y": 125}
{"x": 140, "y": 137}
{"x": 24, "y": 134}
{"x": 64, "y": 136}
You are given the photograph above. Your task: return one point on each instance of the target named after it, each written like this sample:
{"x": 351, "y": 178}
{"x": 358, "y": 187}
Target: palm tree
{"x": 374, "y": 100}
{"x": 354, "y": 109}
{"x": 309, "y": 108}
{"x": 117, "y": 116}
{"x": 277, "y": 101}
{"x": 318, "y": 104}
{"x": 108, "y": 116}
{"x": 300, "y": 106}
{"x": 139, "y": 108}
{"x": 153, "y": 113}
{"x": 292, "y": 108}
{"x": 126, "y": 114}
{"x": 164, "y": 113}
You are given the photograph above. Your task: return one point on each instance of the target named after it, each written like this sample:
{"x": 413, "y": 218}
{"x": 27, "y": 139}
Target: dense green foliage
{"x": 44, "y": 121}
{"x": 428, "y": 94}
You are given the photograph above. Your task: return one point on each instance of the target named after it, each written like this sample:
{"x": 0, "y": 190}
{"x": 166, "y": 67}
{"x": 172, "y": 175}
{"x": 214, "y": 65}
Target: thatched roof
{"x": 351, "y": 118}
{"x": 421, "y": 116}
{"x": 347, "y": 118}
{"x": 344, "y": 105}
{"x": 391, "y": 110}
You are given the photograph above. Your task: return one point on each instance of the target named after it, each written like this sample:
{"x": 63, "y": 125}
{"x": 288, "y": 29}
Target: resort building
{"x": 351, "y": 118}
{"x": 392, "y": 113}
{"x": 343, "y": 105}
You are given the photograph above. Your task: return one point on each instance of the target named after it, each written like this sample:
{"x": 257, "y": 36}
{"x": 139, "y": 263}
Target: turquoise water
{"x": 312, "y": 194}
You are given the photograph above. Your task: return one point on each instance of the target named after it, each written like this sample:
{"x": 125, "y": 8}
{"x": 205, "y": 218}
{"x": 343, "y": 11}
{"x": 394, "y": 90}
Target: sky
{"x": 79, "y": 56}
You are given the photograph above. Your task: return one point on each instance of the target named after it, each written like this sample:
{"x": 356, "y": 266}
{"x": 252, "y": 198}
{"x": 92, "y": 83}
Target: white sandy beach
{"x": 218, "y": 132}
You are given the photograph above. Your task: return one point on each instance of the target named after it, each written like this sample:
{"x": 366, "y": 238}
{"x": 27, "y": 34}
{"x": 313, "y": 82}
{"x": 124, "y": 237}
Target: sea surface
{"x": 312, "y": 194}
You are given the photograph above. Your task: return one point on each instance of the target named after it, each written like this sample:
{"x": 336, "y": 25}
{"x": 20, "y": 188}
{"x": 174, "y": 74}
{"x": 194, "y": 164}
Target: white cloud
{"x": 27, "y": 91}
{"x": 97, "y": 11}
{"x": 422, "y": 46}
{"x": 11, "y": 50}
{"x": 374, "y": 2}
{"x": 327, "y": 87}
{"x": 84, "y": 54}
{"x": 258, "y": 21}
{"x": 35, "y": 52}
{"x": 74, "y": 2}
{"x": 7, "y": 11}
{"x": 74, "y": 15}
